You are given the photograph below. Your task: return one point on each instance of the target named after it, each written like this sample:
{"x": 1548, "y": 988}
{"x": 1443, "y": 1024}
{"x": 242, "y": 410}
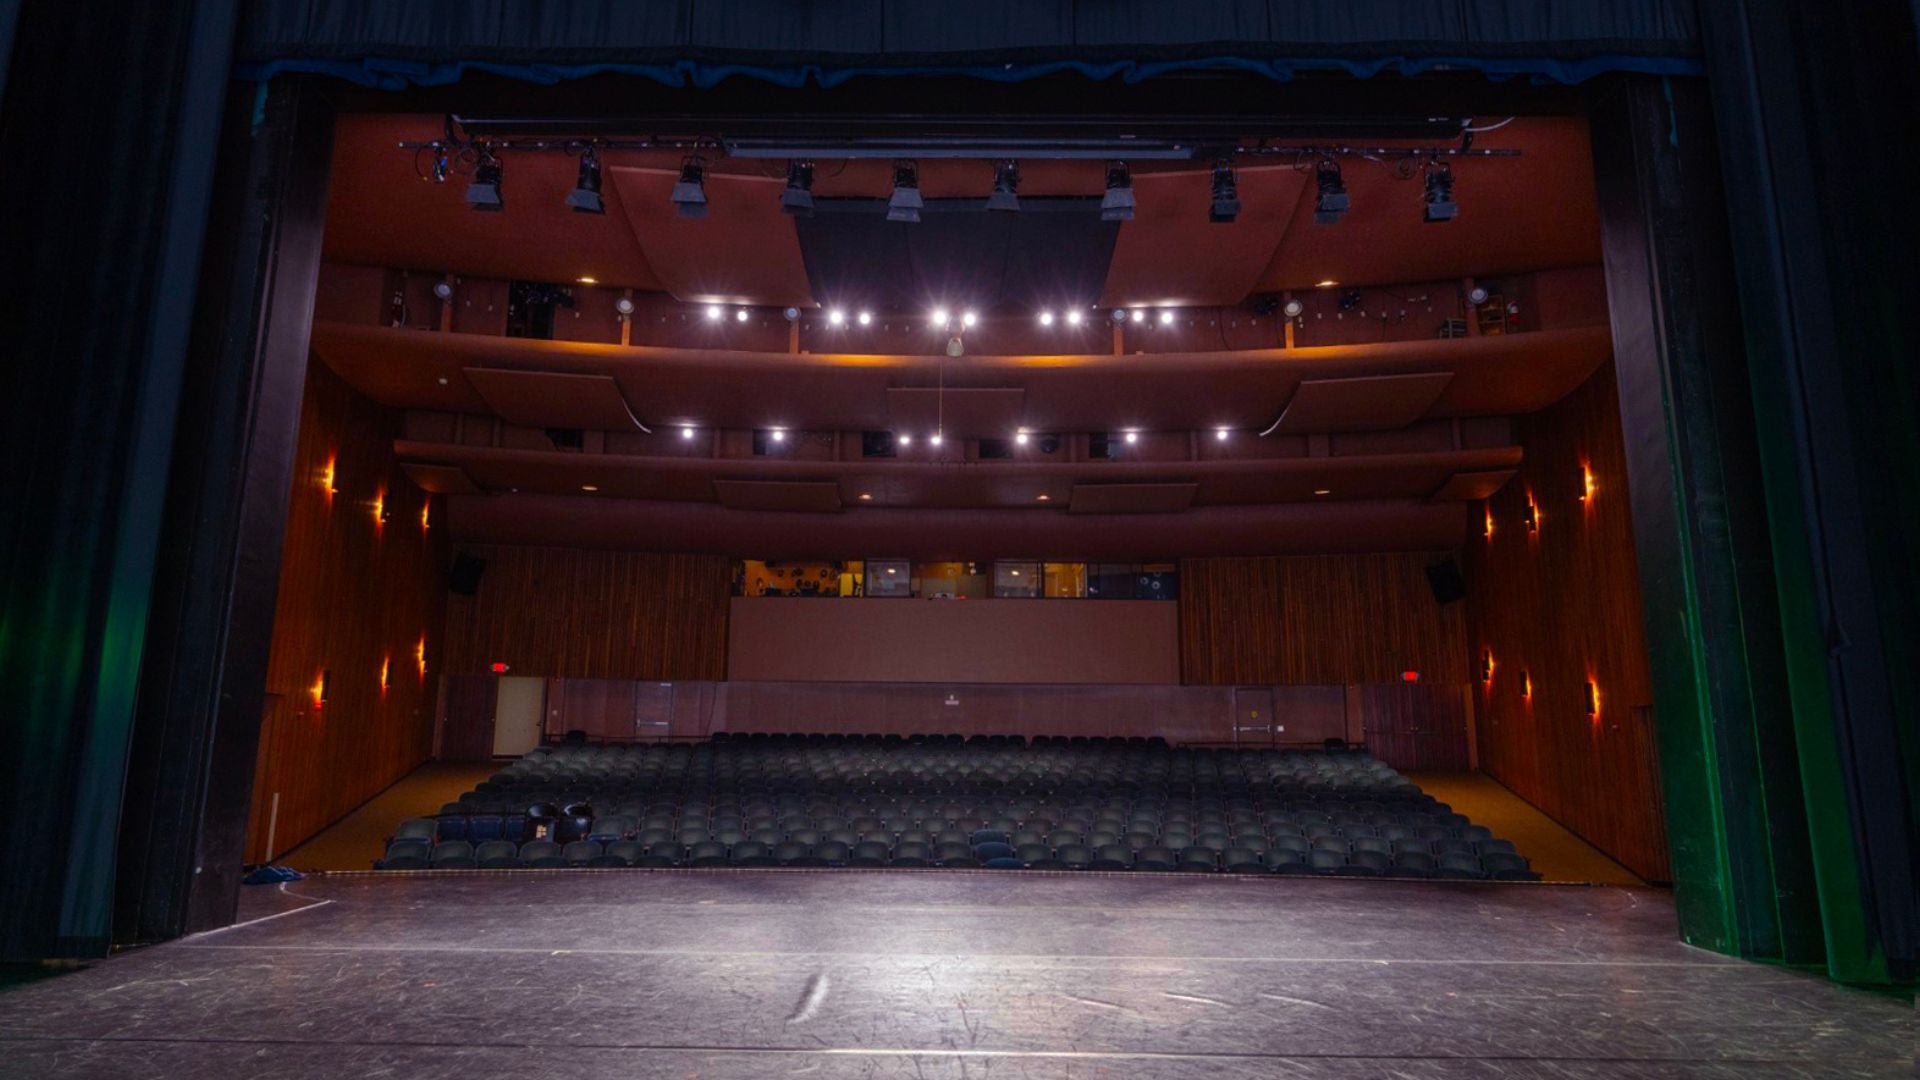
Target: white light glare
{"x": 836, "y": 317}
{"x": 1220, "y": 434}
{"x": 1046, "y": 318}
{"x": 713, "y": 313}
{"x": 1074, "y": 318}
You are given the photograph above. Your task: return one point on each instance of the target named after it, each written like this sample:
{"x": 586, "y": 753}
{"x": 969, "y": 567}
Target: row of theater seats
{"x": 941, "y": 801}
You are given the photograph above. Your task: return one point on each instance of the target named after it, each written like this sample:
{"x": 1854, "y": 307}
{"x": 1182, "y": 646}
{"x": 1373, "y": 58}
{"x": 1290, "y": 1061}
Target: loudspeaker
{"x": 1445, "y": 581}
{"x": 464, "y": 577}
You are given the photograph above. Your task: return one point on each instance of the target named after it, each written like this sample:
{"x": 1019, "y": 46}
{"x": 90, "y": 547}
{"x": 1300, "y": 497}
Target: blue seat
{"x": 992, "y": 849}
{"x": 453, "y": 855}
{"x": 406, "y": 855}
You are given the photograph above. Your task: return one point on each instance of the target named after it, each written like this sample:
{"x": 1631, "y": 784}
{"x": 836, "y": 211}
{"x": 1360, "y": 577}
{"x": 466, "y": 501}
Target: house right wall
{"x": 1557, "y": 607}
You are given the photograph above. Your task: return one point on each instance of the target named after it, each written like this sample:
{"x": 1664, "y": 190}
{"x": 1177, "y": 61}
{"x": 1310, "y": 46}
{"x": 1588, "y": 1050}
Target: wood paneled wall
{"x": 1562, "y": 605}
{"x": 593, "y": 614}
{"x": 358, "y": 597}
{"x": 1319, "y": 619}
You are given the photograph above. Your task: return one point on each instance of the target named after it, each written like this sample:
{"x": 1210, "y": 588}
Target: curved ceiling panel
{"x": 744, "y": 251}
{"x": 380, "y": 212}
{"x": 962, "y": 534}
{"x": 1171, "y": 254}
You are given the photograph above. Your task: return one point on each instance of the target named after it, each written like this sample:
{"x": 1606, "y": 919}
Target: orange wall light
{"x": 326, "y": 478}
{"x": 1586, "y": 483}
{"x": 1526, "y": 685}
{"x": 386, "y": 668}
{"x": 379, "y": 506}
{"x": 426, "y": 508}
{"x": 1593, "y": 700}
{"x": 319, "y": 692}
{"x": 1489, "y": 528}
{"x": 420, "y": 654}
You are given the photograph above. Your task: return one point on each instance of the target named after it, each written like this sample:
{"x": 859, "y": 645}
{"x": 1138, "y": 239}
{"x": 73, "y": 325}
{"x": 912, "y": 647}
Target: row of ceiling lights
{"x": 1021, "y": 437}
{"x": 689, "y": 194}
{"x": 940, "y": 318}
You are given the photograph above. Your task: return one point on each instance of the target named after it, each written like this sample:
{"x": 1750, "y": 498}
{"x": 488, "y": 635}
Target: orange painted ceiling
{"x": 1533, "y": 212}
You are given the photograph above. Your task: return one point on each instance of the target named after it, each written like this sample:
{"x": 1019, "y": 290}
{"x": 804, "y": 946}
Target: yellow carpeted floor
{"x": 1558, "y": 855}
{"x": 355, "y": 841}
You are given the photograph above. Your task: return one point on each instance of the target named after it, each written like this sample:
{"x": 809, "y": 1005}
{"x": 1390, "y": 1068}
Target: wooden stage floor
{"x": 728, "y": 975}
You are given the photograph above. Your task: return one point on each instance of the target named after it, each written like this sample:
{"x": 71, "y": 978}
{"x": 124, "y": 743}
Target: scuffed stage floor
{"x": 934, "y": 975}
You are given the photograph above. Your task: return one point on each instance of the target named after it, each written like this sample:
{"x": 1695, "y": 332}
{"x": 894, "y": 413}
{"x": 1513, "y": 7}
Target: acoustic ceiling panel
{"x": 440, "y": 479}
{"x": 548, "y": 399}
{"x": 1473, "y": 486}
{"x": 1367, "y": 403}
{"x": 969, "y": 413}
{"x": 1171, "y": 254}
{"x": 793, "y": 496}
{"x": 1131, "y": 498}
{"x": 744, "y": 251}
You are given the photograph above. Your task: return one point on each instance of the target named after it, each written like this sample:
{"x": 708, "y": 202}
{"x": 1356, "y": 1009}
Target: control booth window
{"x": 1016, "y": 580}
{"x": 949, "y": 581}
{"x": 1005, "y": 579}
{"x": 889, "y": 577}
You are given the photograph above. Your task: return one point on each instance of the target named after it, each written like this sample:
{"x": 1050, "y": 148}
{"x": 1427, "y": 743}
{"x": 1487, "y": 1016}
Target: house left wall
{"x": 363, "y": 585}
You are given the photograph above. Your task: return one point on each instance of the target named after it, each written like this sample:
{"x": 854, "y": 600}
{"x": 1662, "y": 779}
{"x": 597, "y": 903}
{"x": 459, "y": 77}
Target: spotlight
{"x": 1166, "y": 318}
{"x": 1046, "y": 318}
{"x": 836, "y": 317}
{"x": 903, "y": 439}
{"x": 1006, "y": 187}
{"x": 1294, "y": 308}
{"x": 1220, "y": 434}
{"x": 941, "y": 317}
{"x": 624, "y": 306}
{"x": 1133, "y": 437}
{"x": 1440, "y": 204}
{"x": 778, "y": 434}
{"x": 1226, "y": 195}
{"x": 934, "y": 439}
{"x": 1138, "y": 315}
{"x": 1117, "y": 203}
{"x": 686, "y": 434}
{"x": 797, "y": 199}
{"x": 585, "y": 196}
{"x": 1332, "y": 199}
{"x": 714, "y": 313}
{"x": 741, "y": 315}
{"x": 1020, "y": 437}
{"x": 905, "y": 203}
{"x": 1119, "y": 315}
{"x": 443, "y": 290}
{"x": 866, "y": 318}
{"x": 969, "y": 318}
{"x": 484, "y": 192}
{"x": 791, "y": 314}
{"x": 690, "y": 192}
{"x": 1075, "y": 318}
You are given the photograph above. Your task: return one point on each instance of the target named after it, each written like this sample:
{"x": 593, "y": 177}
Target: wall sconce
{"x": 326, "y": 478}
{"x": 1526, "y": 685}
{"x": 320, "y": 687}
{"x": 1593, "y": 700}
{"x": 426, "y": 509}
{"x": 1532, "y": 517}
{"x": 1586, "y": 483}
{"x": 1486, "y": 666}
{"x": 386, "y": 668}
{"x": 1488, "y": 532}
{"x": 379, "y": 509}
{"x": 420, "y": 654}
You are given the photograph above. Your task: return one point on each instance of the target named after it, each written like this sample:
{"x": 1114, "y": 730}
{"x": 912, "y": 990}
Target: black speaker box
{"x": 464, "y": 577}
{"x": 1445, "y": 581}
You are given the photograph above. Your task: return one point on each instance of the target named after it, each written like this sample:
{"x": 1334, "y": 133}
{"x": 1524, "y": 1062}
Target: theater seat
{"x": 453, "y": 855}
{"x": 406, "y": 855}
{"x": 542, "y": 854}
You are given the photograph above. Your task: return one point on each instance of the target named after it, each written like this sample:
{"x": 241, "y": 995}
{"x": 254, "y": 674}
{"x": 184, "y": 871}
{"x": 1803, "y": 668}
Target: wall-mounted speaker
{"x": 464, "y": 577}
{"x": 1445, "y": 581}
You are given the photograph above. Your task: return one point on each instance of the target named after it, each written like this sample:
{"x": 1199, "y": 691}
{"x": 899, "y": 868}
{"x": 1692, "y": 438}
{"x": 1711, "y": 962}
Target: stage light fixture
{"x": 1020, "y": 437}
{"x": 797, "y": 199}
{"x": 866, "y": 318}
{"x": 686, "y": 434}
{"x": 585, "y": 196}
{"x": 969, "y": 318}
{"x": 484, "y": 192}
{"x": 1117, "y": 203}
{"x": 940, "y": 318}
{"x": 690, "y": 191}
{"x": 1006, "y": 187}
{"x": 778, "y": 434}
{"x": 935, "y": 439}
{"x": 1440, "y": 204}
{"x": 1220, "y": 434}
{"x": 1132, "y": 437}
{"x": 1074, "y": 318}
{"x": 714, "y": 312}
{"x": 1331, "y": 199}
{"x": 903, "y": 439}
{"x": 741, "y": 315}
{"x": 1294, "y": 308}
{"x": 1046, "y": 318}
{"x": 905, "y": 203}
{"x": 1166, "y": 318}
{"x": 1226, "y": 195}
{"x": 836, "y": 317}
{"x": 624, "y": 305}
{"x": 1137, "y": 315}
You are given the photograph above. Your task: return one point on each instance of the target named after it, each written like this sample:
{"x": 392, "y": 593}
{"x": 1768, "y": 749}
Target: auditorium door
{"x": 466, "y": 732}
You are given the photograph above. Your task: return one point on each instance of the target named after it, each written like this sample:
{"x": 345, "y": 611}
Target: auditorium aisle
{"x": 355, "y": 841}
